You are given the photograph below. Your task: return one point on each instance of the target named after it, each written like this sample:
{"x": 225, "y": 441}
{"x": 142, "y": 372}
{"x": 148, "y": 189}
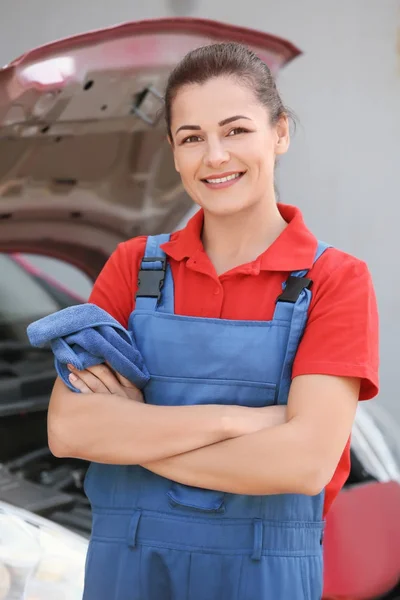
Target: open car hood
{"x": 84, "y": 162}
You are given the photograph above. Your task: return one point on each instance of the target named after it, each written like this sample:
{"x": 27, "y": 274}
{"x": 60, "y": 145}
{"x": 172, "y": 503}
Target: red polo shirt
{"x": 341, "y": 336}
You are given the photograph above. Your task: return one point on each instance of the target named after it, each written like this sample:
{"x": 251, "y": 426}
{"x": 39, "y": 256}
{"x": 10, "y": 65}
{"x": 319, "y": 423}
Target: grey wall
{"x": 343, "y": 167}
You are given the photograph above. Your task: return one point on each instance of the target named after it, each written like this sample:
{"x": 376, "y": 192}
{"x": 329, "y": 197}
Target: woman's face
{"x": 224, "y": 145}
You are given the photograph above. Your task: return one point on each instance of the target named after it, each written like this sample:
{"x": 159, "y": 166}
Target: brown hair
{"x": 226, "y": 59}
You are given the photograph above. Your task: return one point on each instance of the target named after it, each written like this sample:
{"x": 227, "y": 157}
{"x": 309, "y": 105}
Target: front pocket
{"x": 312, "y": 576}
{"x": 181, "y": 391}
{"x": 280, "y": 578}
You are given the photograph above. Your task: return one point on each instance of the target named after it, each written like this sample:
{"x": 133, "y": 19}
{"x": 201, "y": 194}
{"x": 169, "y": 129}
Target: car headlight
{"x": 39, "y": 560}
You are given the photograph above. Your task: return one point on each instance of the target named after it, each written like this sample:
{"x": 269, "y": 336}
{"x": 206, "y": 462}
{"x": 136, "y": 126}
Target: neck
{"x": 234, "y": 240}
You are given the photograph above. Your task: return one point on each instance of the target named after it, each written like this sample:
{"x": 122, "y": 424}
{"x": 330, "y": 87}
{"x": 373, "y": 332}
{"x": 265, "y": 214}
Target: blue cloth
{"x": 156, "y": 539}
{"x": 85, "y": 335}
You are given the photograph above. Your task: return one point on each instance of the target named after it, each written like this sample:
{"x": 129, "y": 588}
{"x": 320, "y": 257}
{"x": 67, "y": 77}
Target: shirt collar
{"x": 293, "y": 250}
{"x": 187, "y": 241}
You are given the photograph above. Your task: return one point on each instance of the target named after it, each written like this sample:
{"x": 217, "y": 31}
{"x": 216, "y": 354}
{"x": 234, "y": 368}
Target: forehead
{"x": 213, "y": 101}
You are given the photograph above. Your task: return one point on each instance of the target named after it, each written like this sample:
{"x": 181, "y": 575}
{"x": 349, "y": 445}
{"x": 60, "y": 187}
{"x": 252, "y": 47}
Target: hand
{"x": 246, "y": 420}
{"x": 101, "y": 379}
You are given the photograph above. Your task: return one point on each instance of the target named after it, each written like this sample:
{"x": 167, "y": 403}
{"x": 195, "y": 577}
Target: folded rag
{"x": 85, "y": 335}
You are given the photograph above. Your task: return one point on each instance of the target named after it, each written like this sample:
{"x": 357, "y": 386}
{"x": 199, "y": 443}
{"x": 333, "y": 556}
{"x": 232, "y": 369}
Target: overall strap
{"x": 292, "y": 306}
{"x": 297, "y": 280}
{"x": 155, "y": 286}
{"x": 322, "y": 246}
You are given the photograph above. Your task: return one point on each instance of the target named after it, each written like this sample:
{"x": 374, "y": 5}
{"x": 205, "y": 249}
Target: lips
{"x": 223, "y": 177}
{"x": 223, "y": 180}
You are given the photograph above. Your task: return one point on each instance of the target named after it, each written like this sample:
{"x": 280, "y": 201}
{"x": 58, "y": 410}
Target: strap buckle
{"x": 293, "y": 289}
{"x": 151, "y": 281}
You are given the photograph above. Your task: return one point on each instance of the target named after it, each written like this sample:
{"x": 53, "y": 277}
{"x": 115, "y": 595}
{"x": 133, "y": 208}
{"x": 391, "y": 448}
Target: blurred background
{"x": 84, "y": 165}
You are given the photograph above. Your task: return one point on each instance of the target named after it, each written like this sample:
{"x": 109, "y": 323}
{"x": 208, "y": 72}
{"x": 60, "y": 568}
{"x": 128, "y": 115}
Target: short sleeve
{"x": 115, "y": 288}
{"x": 342, "y": 333}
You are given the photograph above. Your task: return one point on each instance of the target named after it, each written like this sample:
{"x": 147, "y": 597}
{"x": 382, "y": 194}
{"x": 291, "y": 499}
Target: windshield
{"x": 29, "y": 293}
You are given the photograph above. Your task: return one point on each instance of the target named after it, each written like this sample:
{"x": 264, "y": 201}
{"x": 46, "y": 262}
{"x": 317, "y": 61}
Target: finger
{"x": 107, "y": 377}
{"x": 123, "y": 380}
{"x": 90, "y": 380}
{"x": 79, "y": 384}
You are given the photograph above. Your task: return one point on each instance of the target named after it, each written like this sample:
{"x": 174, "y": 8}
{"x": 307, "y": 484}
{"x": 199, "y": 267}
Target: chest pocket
{"x": 180, "y": 391}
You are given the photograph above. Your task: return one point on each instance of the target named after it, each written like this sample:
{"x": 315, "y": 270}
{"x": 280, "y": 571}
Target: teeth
{"x": 223, "y": 179}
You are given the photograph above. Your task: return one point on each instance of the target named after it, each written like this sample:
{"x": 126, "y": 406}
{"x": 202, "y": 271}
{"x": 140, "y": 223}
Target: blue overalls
{"x": 155, "y": 539}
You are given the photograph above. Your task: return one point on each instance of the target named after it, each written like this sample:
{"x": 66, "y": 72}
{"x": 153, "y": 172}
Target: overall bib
{"x": 155, "y": 539}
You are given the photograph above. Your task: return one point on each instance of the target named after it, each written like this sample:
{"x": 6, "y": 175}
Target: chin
{"x": 228, "y": 208}
{"x": 223, "y": 211}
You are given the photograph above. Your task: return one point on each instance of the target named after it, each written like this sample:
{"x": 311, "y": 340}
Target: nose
{"x": 215, "y": 154}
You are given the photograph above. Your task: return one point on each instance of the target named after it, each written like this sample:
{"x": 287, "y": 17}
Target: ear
{"x": 282, "y": 135}
{"x": 172, "y": 145}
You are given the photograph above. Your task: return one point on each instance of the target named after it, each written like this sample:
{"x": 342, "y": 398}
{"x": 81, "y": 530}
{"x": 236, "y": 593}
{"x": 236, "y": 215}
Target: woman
{"x": 259, "y": 345}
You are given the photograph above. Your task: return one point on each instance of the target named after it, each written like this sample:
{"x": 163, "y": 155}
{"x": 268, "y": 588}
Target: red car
{"x": 84, "y": 165}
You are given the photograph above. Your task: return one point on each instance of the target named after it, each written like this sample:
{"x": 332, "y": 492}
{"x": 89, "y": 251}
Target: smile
{"x": 223, "y": 179}
{"x": 226, "y": 180}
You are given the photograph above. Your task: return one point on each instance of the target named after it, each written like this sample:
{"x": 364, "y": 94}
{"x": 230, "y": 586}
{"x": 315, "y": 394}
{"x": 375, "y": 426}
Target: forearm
{"x": 271, "y": 461}
{"x": 110, "y": 429}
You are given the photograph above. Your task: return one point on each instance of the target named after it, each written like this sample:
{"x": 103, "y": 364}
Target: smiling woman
{"x": 244, "y": 146}
{"x": 236, "y": 140}
{"x": 259, "y": 341}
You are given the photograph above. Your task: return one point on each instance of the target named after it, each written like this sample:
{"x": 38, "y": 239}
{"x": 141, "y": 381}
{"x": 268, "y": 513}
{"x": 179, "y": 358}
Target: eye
{"x": 191, "y": 139}
{"x": 237, "y": 130}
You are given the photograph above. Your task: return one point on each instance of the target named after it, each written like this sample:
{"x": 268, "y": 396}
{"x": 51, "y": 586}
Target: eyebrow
{"x": 221, "y": 123}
